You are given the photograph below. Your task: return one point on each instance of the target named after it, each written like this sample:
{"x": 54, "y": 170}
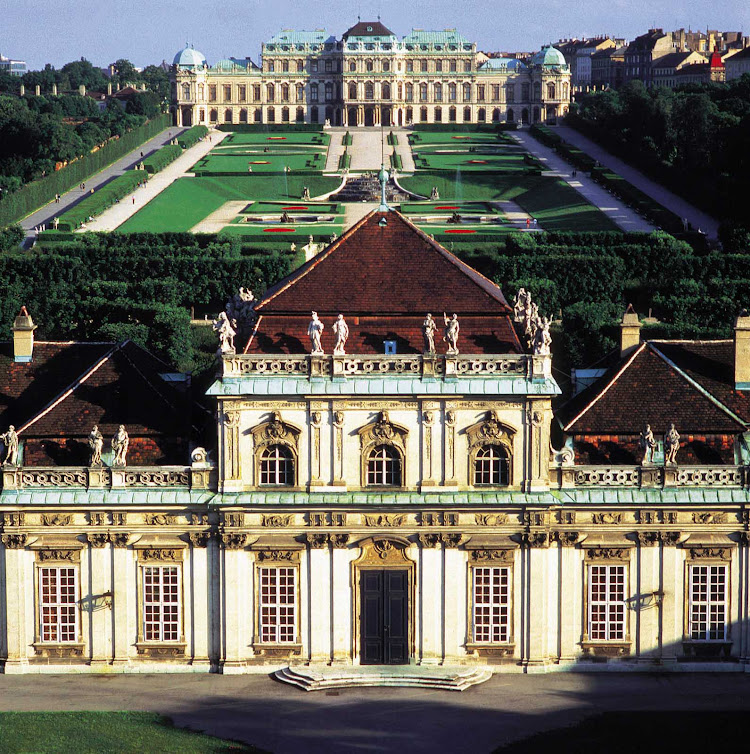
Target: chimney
{"x": 23, "y": 337}
{"x": 742, "y": 351}
{"x": 630, "y": 332}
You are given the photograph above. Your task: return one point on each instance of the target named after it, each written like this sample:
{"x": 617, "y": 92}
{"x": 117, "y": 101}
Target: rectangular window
{"x": 423, "y": 66}
{"x": 58, "y": 606}
{"x": 256, "y": 92}
{"x": 453, "y": 66}
{"x": 161, "y": 603}
{"x": 329, "y": 66}
{"x": 242, "y": 93}
{"x": 491, "y": 614}
{"x": 708, "y": 602}
{"x": 314, "y": 66}
{"x": 480, "y": 93}
{"x": 438, "y": 66}
{"x": 270, "y": 66}
{"x": 606, "y": 606}
{"x": 212, "y": 92}
{"x": 495, "y": 92}
{"x": 277, "y": 602}
{"x": 409, "y": 66}
{"x": 228, "y": 93}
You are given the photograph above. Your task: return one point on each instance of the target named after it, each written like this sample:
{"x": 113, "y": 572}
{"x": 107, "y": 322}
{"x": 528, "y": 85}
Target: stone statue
{"x": 671, "y": 445}
{"x": 314, "y": 331}
{"x": 10, "y": 439}
{"x": 240, "y": 311}
{"x": 305, "y": 194}
{"x": 428, "y": 333}
{"x": 341, "y": 331}
{"x": 519, "y": 307}
{"x": 434, "y": 194}
{"x": 120, "y": 444}
{"x": 451, "y": 333}
{"x": 96, "y": 444}
{"x": 542, "y": 338}
{"x": 226, "y": 330}
{"x": 647, "y": 443}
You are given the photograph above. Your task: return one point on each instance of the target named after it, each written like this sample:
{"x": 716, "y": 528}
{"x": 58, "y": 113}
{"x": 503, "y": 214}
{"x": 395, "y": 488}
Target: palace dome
{"x": 548, "y": 57}
{"x": 189, "y": 58}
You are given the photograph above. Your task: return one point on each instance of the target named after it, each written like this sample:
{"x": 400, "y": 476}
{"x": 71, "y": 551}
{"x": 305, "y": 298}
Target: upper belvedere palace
{"x": 369, "y": 77}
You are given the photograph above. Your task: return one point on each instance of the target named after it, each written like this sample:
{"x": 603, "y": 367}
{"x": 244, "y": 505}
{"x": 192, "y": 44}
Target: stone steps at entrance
{"x": 446, "y": 677}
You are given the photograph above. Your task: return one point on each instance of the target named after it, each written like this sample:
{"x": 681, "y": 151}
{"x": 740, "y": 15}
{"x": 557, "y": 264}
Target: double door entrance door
{"x": 384, "y": 623}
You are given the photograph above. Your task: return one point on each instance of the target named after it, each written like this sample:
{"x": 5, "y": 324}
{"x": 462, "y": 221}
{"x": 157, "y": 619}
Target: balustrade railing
{"x": 650, "y": 476}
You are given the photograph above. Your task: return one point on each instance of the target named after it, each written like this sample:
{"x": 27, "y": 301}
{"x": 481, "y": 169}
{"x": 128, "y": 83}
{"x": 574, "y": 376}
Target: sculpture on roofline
{"x": 428, "y": 333}
{"x": 240, "y": 311}
{"x": 10, "y": 439}
{"x": 451, "y": 333}
{"x": 96, "y": 445}
{"x": 542, "y": 338}
{"x": 314, "y": 332}
{"x": 519, "y": 307}
{"x": 226, "y": 331}
{"x": 671, "y": 445}
{"x": 341, "y": 331}
{"x": 647, "y": 443}
{"x": 120, "y": 443}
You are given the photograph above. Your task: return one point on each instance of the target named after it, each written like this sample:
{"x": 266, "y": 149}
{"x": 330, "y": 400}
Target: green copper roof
{"x": 72, "y": 497}
{"x": 448, "y": 36}
{"x": 292, "y": 36}
{"x": 382, "y": 386}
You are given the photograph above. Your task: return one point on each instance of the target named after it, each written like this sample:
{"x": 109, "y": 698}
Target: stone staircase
{"x": 321, "y": 677}
{"x": 335, "y": 150}
{"x": 366, "y": 188}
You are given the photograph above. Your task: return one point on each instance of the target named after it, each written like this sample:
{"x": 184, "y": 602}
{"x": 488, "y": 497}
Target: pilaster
{"x": 431, "y": 585}
{"x": 343, "y": 600}
{"x": 320, "y": 602}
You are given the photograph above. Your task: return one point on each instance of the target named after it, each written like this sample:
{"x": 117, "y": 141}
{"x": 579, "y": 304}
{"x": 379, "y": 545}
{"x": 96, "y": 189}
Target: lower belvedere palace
{"x": 379, "y": 486}
{"x": 369, "y": 77}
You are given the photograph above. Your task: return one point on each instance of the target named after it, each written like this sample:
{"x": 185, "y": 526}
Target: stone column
{"x": 646, "y": 583}
{"x": 99, "y": 559}
{"x": 124, "y": 593}
{"x": 430, "y": 585}
{"x": 455, "y": 603}
{"x": 237, "y": 590}
{"x": 570, "y": 602}
{"x": 230, "y": 450}
{"x": 338, "y": 451}
{"x": 198, "y": 575}
{"x": 535, "y": 554}
{"x": 343, "y": 599}
{"x": 320, "y": 591}
{"x": 672, "y": 601}
{"x": 449, "y": 447}
{"x": 428, "y": 421}
{"x": 19, "y": 590}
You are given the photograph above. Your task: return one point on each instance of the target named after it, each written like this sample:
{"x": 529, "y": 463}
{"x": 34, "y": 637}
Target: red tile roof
{"x": 688, "y": 383}
{"x": 384, "y": 278}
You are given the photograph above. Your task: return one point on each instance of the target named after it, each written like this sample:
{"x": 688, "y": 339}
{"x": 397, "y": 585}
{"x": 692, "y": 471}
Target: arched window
{"x": 511, "y": 115}
{"x": 438, "y": 115}
{"x": 409, "y": 115}
{"x": 314, "y": 114}
{"x": 537, "y": 90}
{"x": 300, "y": 115}
{"x": 452, "y": 114}
{"x": 329, "y": 91}
{"x": 438, "y": 92}
{"x": 400, "y": 90}
{"x": 271, "y": 115}
{"x": 386, "y": 66}
{"x": 213, "y": 116}
{"x": 384, "y": 467}
{"x": 467, "y": 92}
{"x": 423, "y": 114}
{"x": 285, "y": 115}
{"x": 201, "y": 116}
{"x": 536, "y": 115}
{"x": 550, "y": 90}
{"x": 423, "y": 92}
{"x": 186, "y": 91}
{"x": 352, "y": 90}
{"x": 300, "y": 93}
{"x": 277, "y": 466}
{"x": 368, "y": 66}
{"x": 482, "y": 115}
{"x": 491, "y": 466}
{"x": 369, "y": 90}
{"x": 410, "y": 92}
{"x": 270, "y": 93}
{"x": 243, "y": 115}
{"x": 227, "y": 116}
{"x": 467, "y": 115}
{"x": 300, "y": 66}
{"x": 495, "y": 114}
{"x": 285, "y": 67}
{"x": 525, "y": 92}
{"x": 385, "y": 88}
{"x": 452, "y": 88}
{"x": 510, "y": 92}
{"x": 258, "y": 115}
{"x": 352, "y": 67}
{"x": 285, "y": 92}
{"x": 525, "y": 115}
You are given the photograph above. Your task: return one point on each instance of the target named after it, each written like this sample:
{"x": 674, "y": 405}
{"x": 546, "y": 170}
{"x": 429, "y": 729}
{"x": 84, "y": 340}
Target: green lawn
{"x": 288, "y": 138}
{"x": 296, "y": 233}
{"x": 271, "y": 162}
{"x": 420, "y": 138}
{"x": 467, "y": 161}
{"x": 187, "y": 201}
{"x": 447, "y": 208}
{"x": 100, "y": 732}
{"x": 301, "y": 208}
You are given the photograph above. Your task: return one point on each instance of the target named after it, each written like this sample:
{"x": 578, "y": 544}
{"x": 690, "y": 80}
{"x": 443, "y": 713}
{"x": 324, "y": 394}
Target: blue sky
{"x": 147, "y": 31}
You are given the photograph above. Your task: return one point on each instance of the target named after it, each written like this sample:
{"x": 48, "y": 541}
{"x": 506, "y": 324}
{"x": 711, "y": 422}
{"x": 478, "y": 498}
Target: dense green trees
{"x": 693, "y": 139}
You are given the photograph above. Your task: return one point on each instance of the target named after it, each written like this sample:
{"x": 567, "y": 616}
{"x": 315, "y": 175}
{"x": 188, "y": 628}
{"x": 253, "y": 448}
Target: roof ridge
{"x": 695, "y": 384}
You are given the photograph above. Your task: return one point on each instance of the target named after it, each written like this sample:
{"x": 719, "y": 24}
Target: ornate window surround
{"x": 382, "y": 432}
{"x": 490, "y": 431}
{"x": 275, "y": 431}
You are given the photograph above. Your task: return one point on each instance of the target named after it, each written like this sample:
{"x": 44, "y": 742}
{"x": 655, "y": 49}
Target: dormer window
{"x": 390, "y": 347}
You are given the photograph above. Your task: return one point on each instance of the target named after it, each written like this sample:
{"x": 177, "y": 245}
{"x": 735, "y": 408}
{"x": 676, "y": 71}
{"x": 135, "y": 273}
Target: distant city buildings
{"x": 13, "y": 67}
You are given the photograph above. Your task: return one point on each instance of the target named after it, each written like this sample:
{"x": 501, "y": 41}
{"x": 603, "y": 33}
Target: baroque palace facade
{"x": 369, "y": 77}
{"x": 374, "y": 493}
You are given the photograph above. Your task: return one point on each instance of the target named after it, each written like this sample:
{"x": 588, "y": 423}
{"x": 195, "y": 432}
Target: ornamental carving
{"x": 438, "y": 519}
{"x": 533, "y": 518}
{"x": 276, "y": 432}
{"x": 56, "y": 519}
{"x": 492, "y": 556}
{"x": 565, "y": 538}
{"x": 491, "y": 519}
{"x": 198, "y": 519}
{"x": 317, "y": 541}
{"x": 199, "y": 538}
{"x": 98, "y": 539}
{"x": 47, "y": 478}
{"x": 709, "y": 518}
{"x": 234, "y": 519}
{"x": 159, "y": 519}
{"x": 279, "y": 556}
{"x": 606, "y": 518}
{"x": 166, "y": 554}
{"x": 14, "y": 541}
{"x": 70, "y": 556}
{"x": 338, "y": 541}
{"x": 275, "y": 521}
{"x": 566, "y": 517}
{"x": 535, "y": 539}
{"x": 157, "y": 479}
{"x": 316, "y": 519}
{"x": 119, "y": 538}
{"x": 97, "y": 518}
{"x": 652, "y": 538}
{"x": 233, "y": 540}
{"x": 607, "y": 553}
{"x": 381, "y": 432}
{"x": 386, "y": 520}
{"x": 338, "y": 418}
{"x": 119, "y": 519}
{"x": 451, "y": 540}
{"x": 13, "y": 519}
{"x": 491, "y": 431}
{"x": 710, "y": 553}
{"x": 429, "y": 540}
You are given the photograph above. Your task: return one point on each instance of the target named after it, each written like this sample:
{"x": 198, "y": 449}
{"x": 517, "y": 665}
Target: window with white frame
{"x": 277, "y": 466}
{"x": 161, "y": 603}
{"x": 491, "y": 609}
{"x": 491, "y": 465}
{"x": 384, "y": 466}
{"x": 707, "y": 594}
{"x": 277, "y": 605}
{"x": 58, "y": 605}
{"x": 606, "y": 604}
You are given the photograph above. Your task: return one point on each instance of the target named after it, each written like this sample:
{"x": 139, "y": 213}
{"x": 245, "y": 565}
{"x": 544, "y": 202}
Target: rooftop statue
{"x": 542, "y": 338}
{"x": 647, "y": 443}
{"x": 226, "y": 330}
{"x": 451, "y": 333}
{"x": 341, "y": 331}
{"x": 10, "y": 438}
{"x": 671, "y": 445}
{"x": 314, "y": 332}
{"x": 120, "y": 443}
{"x": 428, "y": 332}
{"x": 96, "y": 445}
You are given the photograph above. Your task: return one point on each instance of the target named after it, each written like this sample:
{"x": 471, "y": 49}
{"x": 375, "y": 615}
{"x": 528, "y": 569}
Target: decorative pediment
{"x": 490, "y": 431}
{"x": 383, "y": 432}
{"x": 275, "y": 432}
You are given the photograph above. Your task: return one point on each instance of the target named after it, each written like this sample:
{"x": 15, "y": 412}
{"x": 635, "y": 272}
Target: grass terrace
{"x": 294, "y": 208}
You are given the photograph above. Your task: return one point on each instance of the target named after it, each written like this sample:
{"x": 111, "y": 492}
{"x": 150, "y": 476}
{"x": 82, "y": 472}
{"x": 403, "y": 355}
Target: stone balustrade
{"x": 61, "y": 477}
{"x": 379, "y": 365}
{"x": 570, "y": 476}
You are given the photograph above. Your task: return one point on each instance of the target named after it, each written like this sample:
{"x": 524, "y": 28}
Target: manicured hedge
{"x": 345, "y": 161}
{"x": 244, "y": 128}
{"x": 103, "y": 199}
{"x": 36, "y": 194}
{"x": 347, "y": 140}
{"x": 192, "y": 136}
{"x": 396, "y": 161}
{"x": 392, "y": 139}
{"x": 161, "y": 158}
